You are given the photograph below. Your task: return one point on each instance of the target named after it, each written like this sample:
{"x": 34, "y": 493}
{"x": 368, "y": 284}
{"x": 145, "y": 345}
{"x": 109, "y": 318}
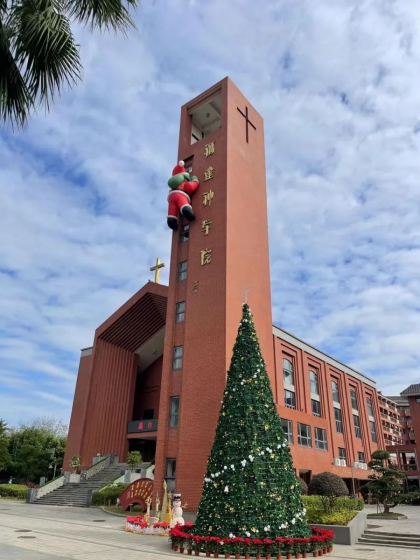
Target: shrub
{"x": 335, "y": 518}
{"x": 134, "y": 460}
{"x": 340, "y": 504}
{"x": 108, "y": 496}
{"x": 412, "y": 498}
{"x": 13, "y": 491}
{"x": 328, "y": 484}
{"x": 303, "y": 486}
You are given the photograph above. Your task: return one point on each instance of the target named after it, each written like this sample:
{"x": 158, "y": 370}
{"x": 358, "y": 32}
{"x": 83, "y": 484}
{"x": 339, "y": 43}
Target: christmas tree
{"x": 250, "y": 487}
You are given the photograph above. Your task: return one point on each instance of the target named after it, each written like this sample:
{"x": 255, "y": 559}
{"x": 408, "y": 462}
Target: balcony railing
{"x": 409, "y": 467}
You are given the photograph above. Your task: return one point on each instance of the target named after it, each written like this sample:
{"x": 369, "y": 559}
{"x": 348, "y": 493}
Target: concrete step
{"x": 389, "y": 542}
{"x": 388, "y": 534}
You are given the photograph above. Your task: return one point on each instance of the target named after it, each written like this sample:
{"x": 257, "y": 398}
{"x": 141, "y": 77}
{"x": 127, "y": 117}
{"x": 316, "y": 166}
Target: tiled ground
{"x": 67, "y": 533}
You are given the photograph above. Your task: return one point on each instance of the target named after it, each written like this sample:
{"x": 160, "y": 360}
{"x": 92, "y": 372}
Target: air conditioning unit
{"x": 356, "y": 465}
{"x": 364, "y": 466}
{"x": 342, "y": 462}
{"x": 337, "y": 462}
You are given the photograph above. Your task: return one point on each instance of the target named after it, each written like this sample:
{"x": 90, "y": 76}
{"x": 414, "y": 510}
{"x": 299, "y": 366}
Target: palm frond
{"x": 44, "y": 47}
{"x": 107, "y": 14}
{"x": 15, "y": 99}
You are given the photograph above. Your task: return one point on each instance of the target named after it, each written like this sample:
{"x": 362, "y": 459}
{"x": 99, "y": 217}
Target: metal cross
{"x": 245, "y": 115}
{"x": 156, "y": 269}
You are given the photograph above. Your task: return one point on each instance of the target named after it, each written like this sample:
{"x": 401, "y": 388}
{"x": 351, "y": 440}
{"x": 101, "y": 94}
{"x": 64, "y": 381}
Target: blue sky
{"x": 83, "y": 199}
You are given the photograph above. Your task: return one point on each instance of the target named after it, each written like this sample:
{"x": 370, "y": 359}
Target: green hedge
{"x": 412, "y": 498}
{"x": 340, "y": 504}
{"x": 108, "y": 495}
{"x": 337, "y": 518}
{"x": 13, "y": 491}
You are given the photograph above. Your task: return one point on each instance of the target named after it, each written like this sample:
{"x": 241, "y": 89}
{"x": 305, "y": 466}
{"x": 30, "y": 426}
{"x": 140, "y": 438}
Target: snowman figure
{"x": 177, "y": 512}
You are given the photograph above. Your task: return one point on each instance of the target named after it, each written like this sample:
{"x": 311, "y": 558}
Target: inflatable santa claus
{"x": 182, "y": 186}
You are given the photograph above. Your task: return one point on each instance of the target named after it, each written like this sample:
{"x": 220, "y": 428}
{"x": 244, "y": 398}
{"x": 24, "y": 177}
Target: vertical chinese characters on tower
{"x": 206, "y": 254}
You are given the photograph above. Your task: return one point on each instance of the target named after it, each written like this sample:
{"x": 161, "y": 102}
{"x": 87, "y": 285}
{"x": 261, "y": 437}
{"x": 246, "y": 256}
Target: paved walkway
{"x": 410, "y": 525}
{"x": 62, "y": 533}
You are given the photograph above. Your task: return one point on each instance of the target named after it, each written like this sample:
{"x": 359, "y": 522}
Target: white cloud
{"x": 82, "y": 193}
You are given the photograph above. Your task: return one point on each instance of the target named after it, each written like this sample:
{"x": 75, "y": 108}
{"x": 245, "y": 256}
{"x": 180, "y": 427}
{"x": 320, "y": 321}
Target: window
{"x": 288, "y": 429}
{"x": 361, "y": 457}
{"x": 170, "y": 474}
{"x": 313, "y": 380}
{"x": 353, "y": 400}
{"x": 206, "y": 118}
{"x": 316, "y": 408}
{"x": 289, "y": 399}
{"x": 320, "y": 439}
{"x": 182, "y": 270}
{"x": 338, "y": 423}
{"x": 369, "y": 406}
{"x": 288, "y": 372}
{"x": 342, "y": 453}
{"x": 177, "y": 357}
{"x": 185, "y": 233}
{"x": 180, "y": 312}
{"x": 373, "y": 431}
{"x": 304, "y": 435}
{"x": 357, "y": 426}
{"x": 335, "y": 394}
{"x": 174, "y": 412}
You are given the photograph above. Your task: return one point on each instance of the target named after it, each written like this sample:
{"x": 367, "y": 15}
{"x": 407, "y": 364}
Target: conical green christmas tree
{"x": 250, "y": 487}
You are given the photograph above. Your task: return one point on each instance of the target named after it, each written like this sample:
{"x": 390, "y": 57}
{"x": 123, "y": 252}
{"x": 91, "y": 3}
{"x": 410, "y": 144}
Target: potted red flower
{"x": 268, "y": 545}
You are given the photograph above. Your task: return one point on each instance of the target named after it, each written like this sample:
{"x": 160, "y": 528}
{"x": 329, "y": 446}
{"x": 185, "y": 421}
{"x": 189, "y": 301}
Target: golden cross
{"x": 157, "y": 268}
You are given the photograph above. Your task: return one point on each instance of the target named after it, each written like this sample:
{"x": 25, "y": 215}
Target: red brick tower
{"x": 222, "y": 257}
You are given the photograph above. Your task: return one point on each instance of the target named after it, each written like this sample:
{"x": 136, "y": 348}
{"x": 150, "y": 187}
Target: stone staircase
{"x": 398, "y": 540}
{"x": 76, "y": 495}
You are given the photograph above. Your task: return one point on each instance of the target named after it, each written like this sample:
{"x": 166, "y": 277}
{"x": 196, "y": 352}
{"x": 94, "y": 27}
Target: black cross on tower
{"x": 245, "y": 115}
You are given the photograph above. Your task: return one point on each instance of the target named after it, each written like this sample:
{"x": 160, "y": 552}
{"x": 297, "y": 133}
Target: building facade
{"x": 405, "y": 451}
{"x": 155, "y": 375}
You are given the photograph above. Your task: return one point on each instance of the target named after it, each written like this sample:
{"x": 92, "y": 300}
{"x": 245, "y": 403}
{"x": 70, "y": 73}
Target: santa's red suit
{"x": 179, "y": 199}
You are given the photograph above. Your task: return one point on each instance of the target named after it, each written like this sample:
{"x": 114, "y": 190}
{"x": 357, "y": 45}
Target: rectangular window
{"x": 320, "y": 439}
{"x": 342, "y": 453}
{"x": 180, "y": 312}
{"x": 182, "y": 270}
{"x": 357, "y": 426}
{"x": 373, "y": 431}
{"x": 361, "y": 457}
{"x": 313, "y": 380}
{"x": 289, "y": 399}
{"x": 304, "y": 435}
{"x": 316, "y": 408}
{"x": 170, "y": 474}
{"x": 338, "y": 423}
{"x": 335, "y": 394}
{"x": 174, "y": 412}
{"x": 185, "y": 233}
{"x": 369, "y": 406}
{"x": 288, "y": 429}
{"x": 353, "y": 400}
{"x": 177, "y": 357}
{"x": 288, "y": 372}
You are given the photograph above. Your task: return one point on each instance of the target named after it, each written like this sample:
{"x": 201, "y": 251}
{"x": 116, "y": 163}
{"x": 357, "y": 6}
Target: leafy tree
{"x": 31, "y": 457}
{"x": 386, "y": 483}
{"x": 250, "y": 487}
{"x": 134, "y": 459}
{"x": 329, "y": 487}
{"x": 4, "y": 445}
{"x": 303, "y": 485}
{"x": 38, "y": 52}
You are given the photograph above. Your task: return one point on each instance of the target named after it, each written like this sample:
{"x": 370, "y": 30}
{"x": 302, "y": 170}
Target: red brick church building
{"x": 154, "y": 378}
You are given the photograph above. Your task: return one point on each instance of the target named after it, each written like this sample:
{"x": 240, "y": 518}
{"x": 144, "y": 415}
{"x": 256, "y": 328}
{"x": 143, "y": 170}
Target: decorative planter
{"x": 227, "y": 555}
{"x": 315, "y": 554}
{"x": 74, "y": 478}
{"x": 258, "y": 556}
{"x": 278, "y": 556}
{"x": 189, "y": 551}
{"x": 304, "y": 555}
{"x": 247, "y": 555}
{"x": 216, "y": 555}
{"x": 181, "y": 550}
{"x": 175, "y": 547}
{"x": 288, "y": 555}
{"x": 208, "y": 554}
{"x": 297, "y": 555}
{"x": 237, "y": 556}
{"x": 268, "y": 556}
{"x": 196, "y": 552}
